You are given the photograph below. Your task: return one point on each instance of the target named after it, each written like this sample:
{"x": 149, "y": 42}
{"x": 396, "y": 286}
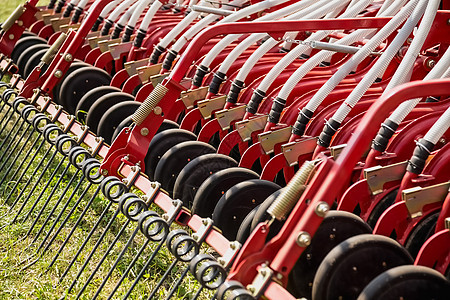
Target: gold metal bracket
{"x": 190, "y": 97}
{"x": 226, "y": 116}
{"x": 206, "y": 107}
{"x": 293, "y": 150}
{"x": 131, "y": 66}
{"x": 269, "y": 139}
{"x": 417, "y": 197}
{"x": 245, "y": 128}
{"x": 377, "y": 176}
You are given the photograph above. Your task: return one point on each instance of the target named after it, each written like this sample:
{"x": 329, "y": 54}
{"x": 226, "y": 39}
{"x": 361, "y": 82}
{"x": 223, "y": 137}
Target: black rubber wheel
{"x": 34, "y": 60}
{"x": 114, "y": 116}
{"x": 78, "y": 83}
{"x": 407, "y": 282}
{"x": 245, "y": 229}
{"x": 77, "y": 64}
{"x": 99, "y": 108}
{"x": 25, "y": 43}
{"x": 380, "y": 208}
{"x": 89, "y": 99}
{"x": 238, "y": 201}
{"x": 336, "y": 227}
{"x": 420, "y": 233}
{"x": 161, "y": 143}
{"x": 27, "y": 34}
{"x": 213, "y": 188}
{"x": 195, "y": 172}
{"x": 351, "y": 265}
{"x": 174, "y": 160}
{"x": 25, "y": 56}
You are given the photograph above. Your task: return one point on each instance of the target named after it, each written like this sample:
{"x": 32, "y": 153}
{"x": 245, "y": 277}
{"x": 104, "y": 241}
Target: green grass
{"x": 23, "y": 278}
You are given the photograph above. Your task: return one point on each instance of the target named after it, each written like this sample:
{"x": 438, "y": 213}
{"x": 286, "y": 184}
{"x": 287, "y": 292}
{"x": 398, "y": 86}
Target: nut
{"x": 58, "y": 74}
{"x": 68, "y": 57}
{"x": 144, "y": 131}
{"x": 157, "y": 110}
{"x": 322, "y": 208}
{"x": 303, "y": 239}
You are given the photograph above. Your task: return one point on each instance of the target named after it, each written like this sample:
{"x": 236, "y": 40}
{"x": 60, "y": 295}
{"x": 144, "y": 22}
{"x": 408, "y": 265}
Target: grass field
{"x": 48, "y": 210}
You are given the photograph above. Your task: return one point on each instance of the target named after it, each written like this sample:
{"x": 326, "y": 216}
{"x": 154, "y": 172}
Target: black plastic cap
{"x": 117, "y": 30}
{"x": 168, "y": 61}
{"x": 97, "y": 23}
{"x": 303, "y": 118}
{"x": 217, "y": 80}
{"x": 77, "y": 14}
{"x": 420, "y": 155}
{"x": 156, "y": 54}
{"x": 139, "y": 39}
{"x": 60, "y": 6}
{"x": 255, "y": 101}
{"x": 275, "y": 112}
{"x": 127, "y": 34}
{"x": 68, "y": 10}
{"x": 200, "y": 75}
{"x": 387, "y": 130}
{"x": 236, "y": 88}
{"x": 328, "y": 132}
{"x": 51, "y": 4}
{"x": 106, "y": 27}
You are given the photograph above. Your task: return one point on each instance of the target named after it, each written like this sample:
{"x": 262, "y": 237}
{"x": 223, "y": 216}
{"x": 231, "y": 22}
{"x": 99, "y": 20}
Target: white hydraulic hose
{"x": 108, "y": 7}
{"x": 149, "y": 15}
{"x": 440, "y": 70}
{"x": 189, "y": 34}
{"x": 127, "y": 15}
{"x": 324, "y": 54}
{"x": 410, "y": 57}
{"x": 356, "y": 59}
{"x": 336, "y": 5}
{"x": 82, "y": 4}
{"x": 120, "y": 9}
{"x": 382, "y": 63}
{"x": 138, "y": 12}
{"x": 245, "y": 44}
{"x": 223, "y": 43}
{"x": 439, "y": 128}
{"x": 301, "y": 49}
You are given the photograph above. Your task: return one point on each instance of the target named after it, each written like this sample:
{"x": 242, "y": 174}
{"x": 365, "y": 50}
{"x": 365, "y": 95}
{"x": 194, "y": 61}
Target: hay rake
{"x": 66, "y": 188}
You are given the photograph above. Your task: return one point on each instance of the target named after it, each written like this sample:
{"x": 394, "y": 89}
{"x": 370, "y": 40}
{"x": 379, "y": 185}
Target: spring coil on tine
{"x": 36, "y": 122}
{"x": 233, "y": 290}
{"x": 77, "y": 156}
{"x": 208, "y": 272}
{"x": 6, "y": 95}
{"x": 132, "y": 207}
{"x": 28, "y": 113}
{"x": 49, "y": 131}
{"x": 182, "y": 245}
{"x": 113, "y": 188}
{"x": 19, "y": 101}
{"x": 64, "y": 143}
{"x": 91, "y": 170}
{"x": 153, "y": 226}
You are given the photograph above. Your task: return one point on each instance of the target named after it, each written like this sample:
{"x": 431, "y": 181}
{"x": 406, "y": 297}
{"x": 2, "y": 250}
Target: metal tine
{"x": 30, "y": 163}
{"x": 15, "y": 142}
{"x": 107, "y": 186}
{"x": 6, "y": 95}
{"x": 62, "y": 139}
{"x": 87, "y": 166}
{"x": 131, "y": 207}
{"x": 38, "y": 181}
{"x": 74, "y": 154}
{"x": 16, "y": 128}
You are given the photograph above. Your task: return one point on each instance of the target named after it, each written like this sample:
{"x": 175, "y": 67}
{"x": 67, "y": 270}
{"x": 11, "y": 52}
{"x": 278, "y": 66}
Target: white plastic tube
{"x": 223, "y": 43}
{"x": 149, "y": 15}
{"x": 382, "y": 63}
{"x": 439, "y": 128}
{"x": 120, "y": 9}
{"x": 300, "y": 49}
{"x": 142, "y": 4}
{"x": 336, "y": 5}
{"x": 356, "y": 59}
{"x": 127, "y": 15}
{"x": 110, "y": 6}
{"x": 82, "y": 4}
{"x": 174, "y": 32}
{"x": 440, "y": 70}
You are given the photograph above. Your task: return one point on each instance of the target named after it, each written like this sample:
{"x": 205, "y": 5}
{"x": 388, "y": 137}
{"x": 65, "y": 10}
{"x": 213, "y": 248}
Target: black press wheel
{"x": 78, "y": 83}
{"x": 34, "y": 60}
{"x": 25, "y": 43}
{"x": 99, "y": 108}
{"x": 77, "y": 64}
{"x": 407, "y": 282}
{"x": 25, "y": 56}
{"x": 238, "y": 201}
{"x": 213, "y": 188}
{"x": 196, "y": 172}
{"x": 245, "y": 229}
{"x": 352, "y": 264}
{"x": 89, "y": 99}
{"x": 161, "y": 143}
{"x": 174, "y": 160}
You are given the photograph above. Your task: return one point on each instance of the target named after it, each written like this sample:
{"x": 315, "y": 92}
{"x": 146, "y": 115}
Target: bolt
{"x": 448, "y": 21}
{"x": 279, "y": 276}
{"x": 232, "y": 246}
{"x": 133, "y": 168}
{"x": 195, "y": 236}
{"x": 144, "y": 131}
{"x": 205, "y": 222}
{"x": 11, "y": 36}
{"x": 68, "y": 57}
{"x": 153, "y": 185}
{"x": 322, "y": 208}
{"x": 58, "y": 74}
{"x": 157, "y": 110}
{"x": 431, "y": 63}
{"x": 442, "y": 141}
{"x": 105, "y": 172}
{"x": 20, "y": 23}
{"x": 263, "y": 272}
{"x": 165, "y": 217}
{"x": 222, "y": 261}
{"x": 303, "y": 239}
{"x": 251, "y": 288}
{"x": 125, "y": 181}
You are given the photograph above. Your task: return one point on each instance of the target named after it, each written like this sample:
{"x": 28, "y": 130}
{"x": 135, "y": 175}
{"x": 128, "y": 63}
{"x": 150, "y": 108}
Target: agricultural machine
{"x": 265, "y": 149}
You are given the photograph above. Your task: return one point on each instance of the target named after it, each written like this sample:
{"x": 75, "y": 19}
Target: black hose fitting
{"x": 139, "y": 39}
{"x": 275, "y": 112}
{"x": 236, "y": 88}
{"x": 217, "y": 80}
{"x": 97, "y": 24}
{"x": 328, "y": 132}
{"x": 51, "y": 4}
{"x": 68, "y": 10}
{"x": 156, "y": 54}
{"x": 117, "y": 30}
{"x": 420, "y": 155}
{"x": 255, "y": 101}
{"x": 200, "y": 75}
{"x": 304, "y": 117}
{"x": 60, "y": 6}
{"x": 387, "y": 130}
{"x": 77, "y": 14}
{"x": 106, "y": 27}
{"x": 127, "y": 34}
{"x": 168, "y": 61}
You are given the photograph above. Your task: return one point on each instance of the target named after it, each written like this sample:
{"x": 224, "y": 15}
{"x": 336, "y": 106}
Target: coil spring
{"x": 149, "y": 104}
{"x": 113, "y": 188}
{"x": 208, "y": 272}
{"x": 153, "y": 226}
